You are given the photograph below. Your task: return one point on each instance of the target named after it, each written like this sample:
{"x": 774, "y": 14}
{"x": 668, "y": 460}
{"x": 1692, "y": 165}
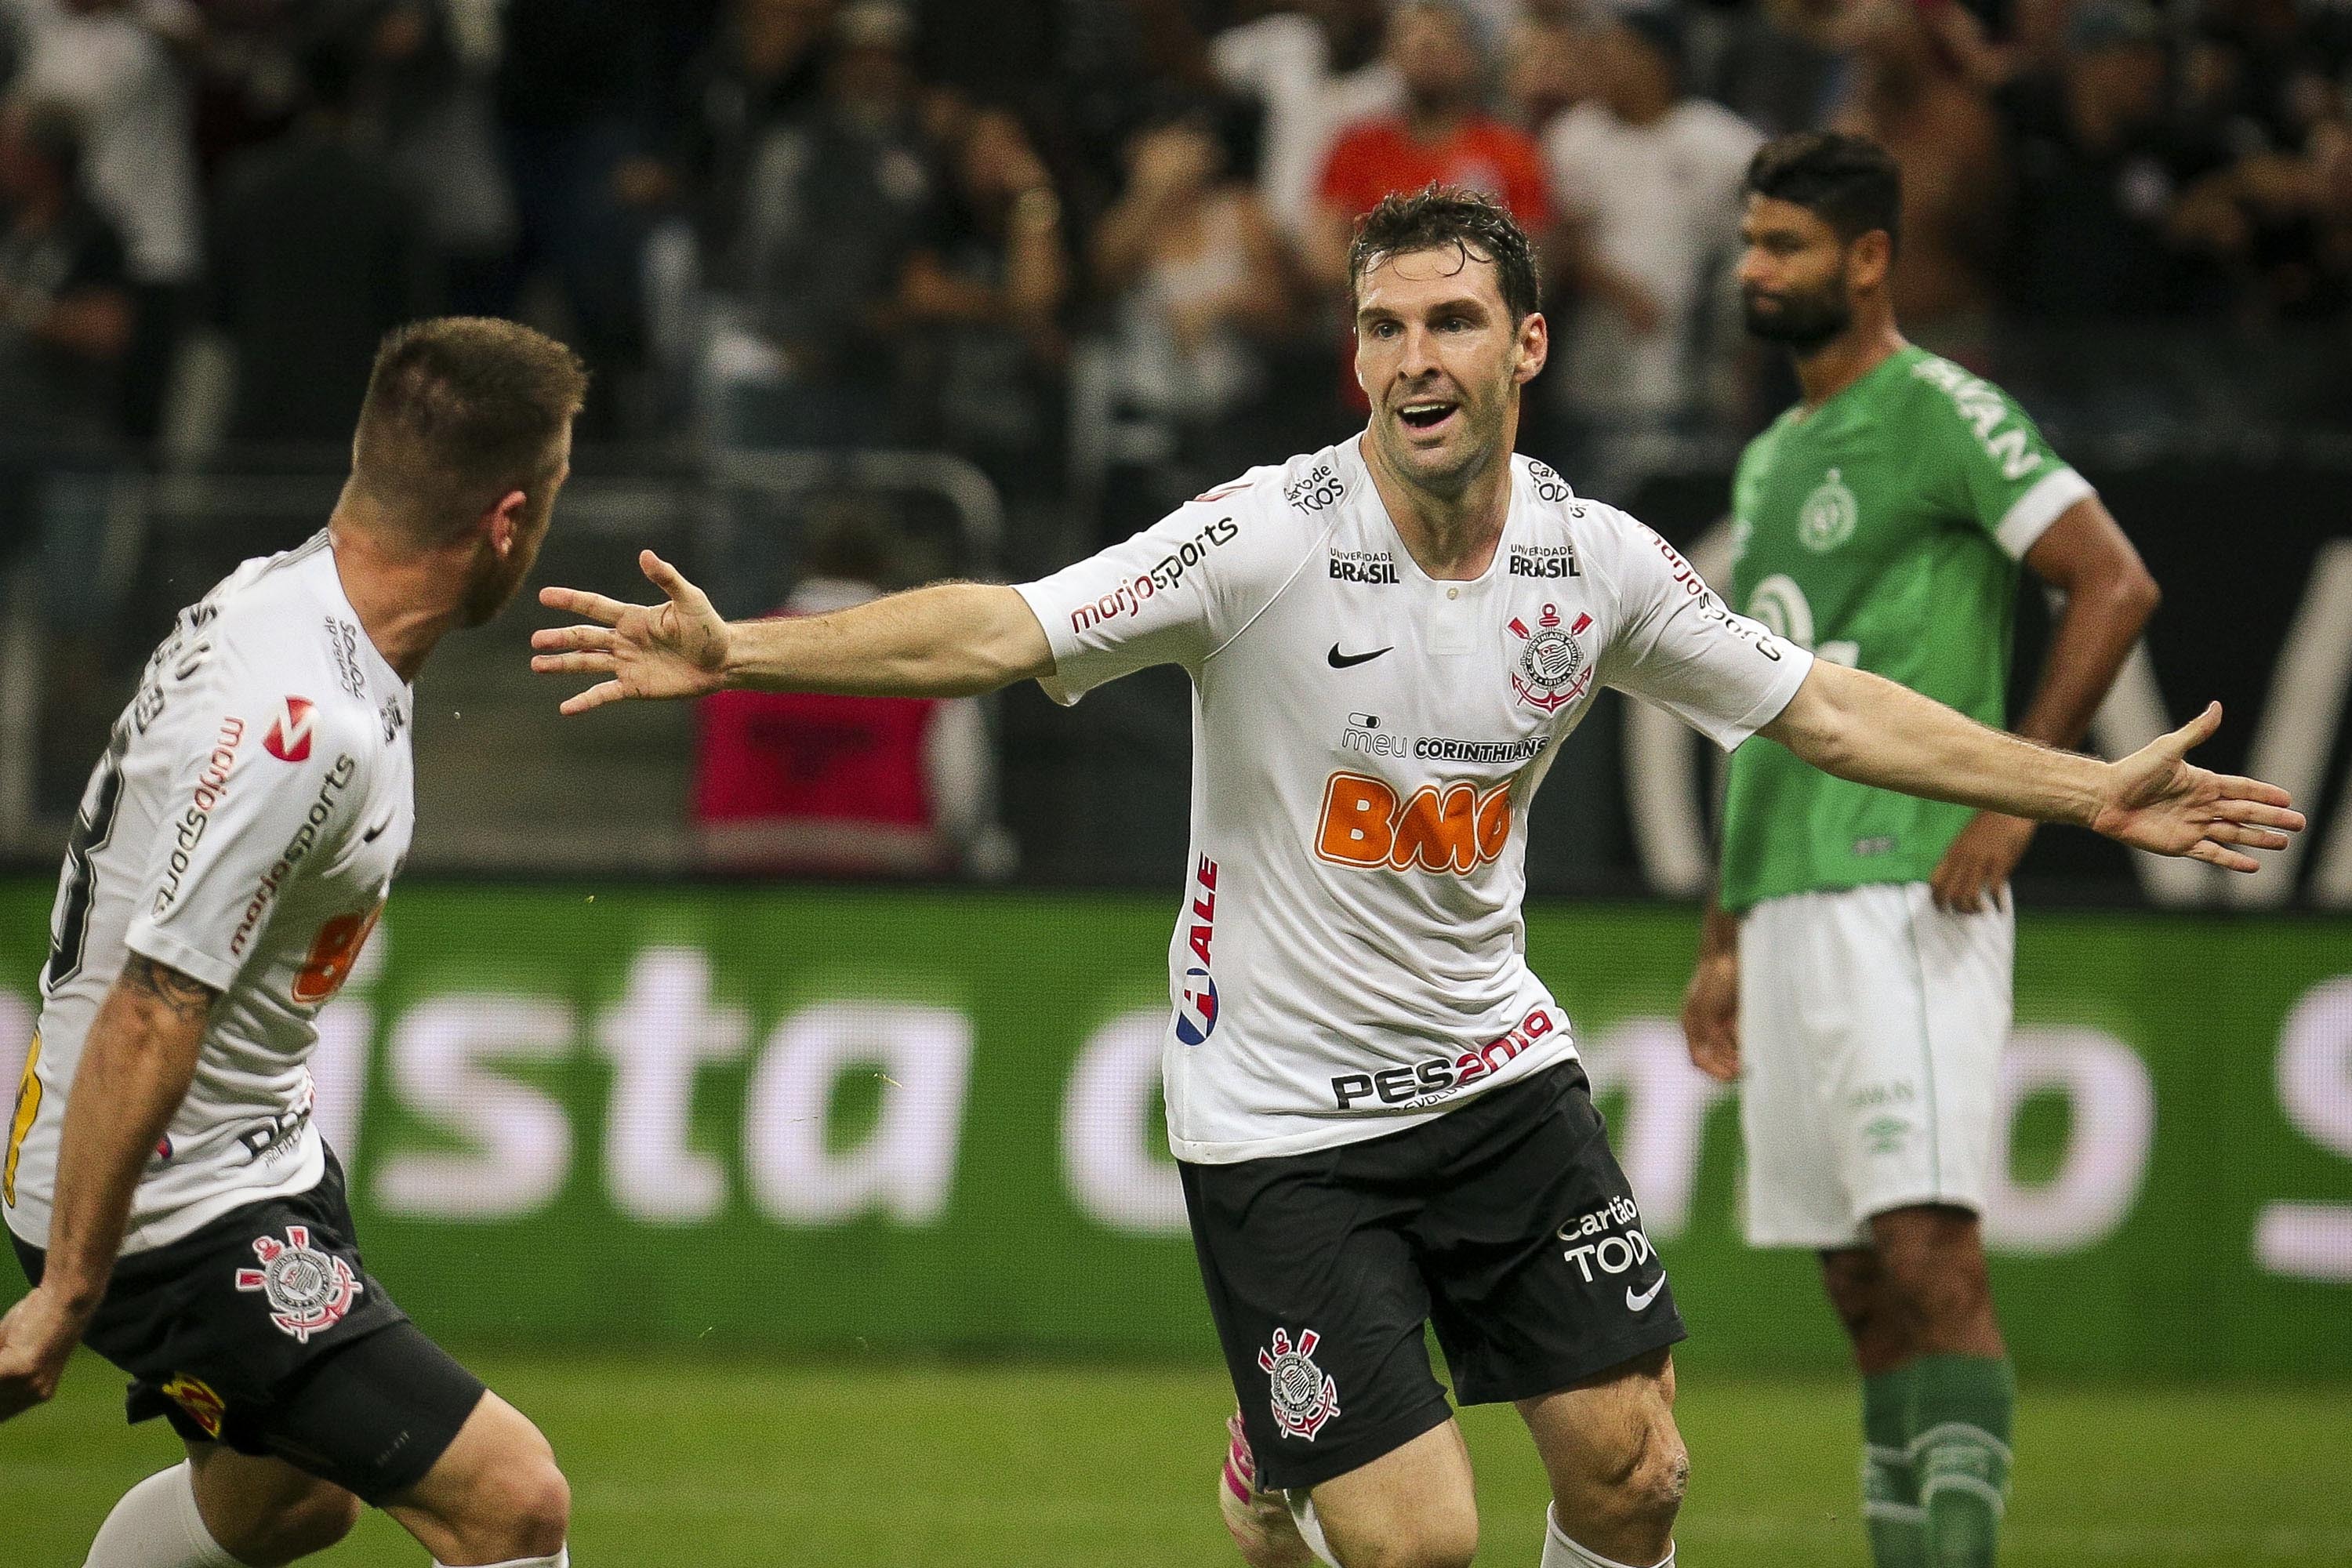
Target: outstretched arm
{"x": 952, "y": 639}
{"x": 1865, "y": 728}
{"x": 135, "y": 1070}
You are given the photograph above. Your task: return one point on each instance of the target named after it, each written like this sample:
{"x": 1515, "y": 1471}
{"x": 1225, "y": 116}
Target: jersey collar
{"x": 1381, "y": 528}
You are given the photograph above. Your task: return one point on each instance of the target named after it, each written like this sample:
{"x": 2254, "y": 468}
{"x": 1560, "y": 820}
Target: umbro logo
{"x": 1344, "y": 660}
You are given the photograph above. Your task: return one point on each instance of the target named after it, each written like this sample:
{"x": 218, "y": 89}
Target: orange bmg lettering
{"x": 1440, "y": 827}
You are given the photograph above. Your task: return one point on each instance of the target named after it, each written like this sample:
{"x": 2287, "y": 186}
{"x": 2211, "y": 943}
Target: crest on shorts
{"x": 197, "y": 1400}
{"x": 1552, "y": 669}
{"x": 1304, "y": 1396}
{"x": 308, "y": 1290}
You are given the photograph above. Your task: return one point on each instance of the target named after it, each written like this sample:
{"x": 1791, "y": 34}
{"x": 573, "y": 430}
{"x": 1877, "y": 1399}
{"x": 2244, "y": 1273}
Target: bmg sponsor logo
{"x": 1436, "y": 1079}
{"x": 1439, "y": 827}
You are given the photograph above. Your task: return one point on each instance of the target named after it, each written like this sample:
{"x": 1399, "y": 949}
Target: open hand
{"x": 674, "y": 649}
{"x": 2157, "y": 801}
{"x": 36, "y": 1338}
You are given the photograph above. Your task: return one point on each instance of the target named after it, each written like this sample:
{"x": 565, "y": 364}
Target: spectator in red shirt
{"x": 1441, "y": 135}
{"x": 801, "y": 782}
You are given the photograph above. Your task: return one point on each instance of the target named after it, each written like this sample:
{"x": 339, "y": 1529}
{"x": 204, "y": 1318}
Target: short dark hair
{"x": 1449, "y": 217}
{"x": 1850, "y": 183}
{"x": 460, "y": 410}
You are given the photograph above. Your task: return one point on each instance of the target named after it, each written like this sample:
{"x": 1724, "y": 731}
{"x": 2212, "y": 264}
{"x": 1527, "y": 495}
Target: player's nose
{"x": 1419, "y": 354}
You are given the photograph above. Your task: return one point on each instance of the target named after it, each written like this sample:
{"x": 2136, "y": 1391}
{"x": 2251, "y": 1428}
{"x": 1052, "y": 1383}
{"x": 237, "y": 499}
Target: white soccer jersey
{"x": 244, "y": 828}
{"x": 1350, "y": 959}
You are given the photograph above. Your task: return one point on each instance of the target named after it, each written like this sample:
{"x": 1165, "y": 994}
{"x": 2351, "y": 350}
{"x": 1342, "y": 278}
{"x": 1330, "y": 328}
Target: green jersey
{"x": 1883, "y": 530}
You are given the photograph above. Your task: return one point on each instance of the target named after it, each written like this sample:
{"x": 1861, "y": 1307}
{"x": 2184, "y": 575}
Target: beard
{"x": 496, "y": 581}
{"x": 1803, "y": 321}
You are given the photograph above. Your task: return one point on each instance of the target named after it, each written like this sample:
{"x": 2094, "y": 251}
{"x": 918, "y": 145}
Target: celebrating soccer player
{"x": 1378, "y": 1107}
{"x": 172, "y": 1200}
{"x": 1855, "y": 970}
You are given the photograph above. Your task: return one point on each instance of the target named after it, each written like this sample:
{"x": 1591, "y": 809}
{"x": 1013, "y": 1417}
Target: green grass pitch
{"x": 716, "y": 1463}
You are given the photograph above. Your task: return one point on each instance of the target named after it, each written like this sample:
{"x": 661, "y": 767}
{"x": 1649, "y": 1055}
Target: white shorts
{"x": 1871, "y": 1025}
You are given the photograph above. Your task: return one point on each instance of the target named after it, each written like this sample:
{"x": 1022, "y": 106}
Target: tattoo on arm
{"x": 191, "y": 1001}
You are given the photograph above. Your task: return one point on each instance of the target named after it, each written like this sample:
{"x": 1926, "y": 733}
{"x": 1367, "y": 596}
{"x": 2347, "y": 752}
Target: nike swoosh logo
{"x": 1636, "y": 1303}
{"x": 1343, "y": 660}
{"x": 372, "y": 834}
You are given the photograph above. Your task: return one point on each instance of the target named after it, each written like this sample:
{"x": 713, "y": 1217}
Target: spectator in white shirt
{"x": 1317, "y": 69}
{"x": 1649, "y": 178}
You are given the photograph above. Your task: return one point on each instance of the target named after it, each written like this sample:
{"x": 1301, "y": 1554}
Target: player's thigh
{"x": 1321, "y": 1311}
{"x": 264, "y": 1510}
{"x": 1790, "y": 1024}
{"x": 1899, "y": 1011}
{"x": 1415, "y": 1506}
{"x": 375, "y": 1417}
{"x": 1965, "y": 965}
{"x": 1538, "y": 1270}
{"x": 1610, "y": 1443}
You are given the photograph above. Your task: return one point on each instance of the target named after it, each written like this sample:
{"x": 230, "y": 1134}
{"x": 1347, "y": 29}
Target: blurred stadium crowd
{"x": 963, "y": 223}
{"x": 1094, "y": 249}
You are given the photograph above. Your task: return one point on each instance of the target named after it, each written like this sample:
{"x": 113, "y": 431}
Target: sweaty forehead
{"x": 1408, "y": 279}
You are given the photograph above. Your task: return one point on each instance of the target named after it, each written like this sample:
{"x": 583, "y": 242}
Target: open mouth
{"x": 1427, "y": 413}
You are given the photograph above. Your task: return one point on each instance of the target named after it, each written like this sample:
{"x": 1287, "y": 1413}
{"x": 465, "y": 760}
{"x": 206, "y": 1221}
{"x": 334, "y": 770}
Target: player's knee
{"x": 535, "y": 1506}
{"x": 1930, "y": 1292}
{"x": 1654, "y": 1495}
{"x": 1854, "y": 1288}
{"x": 1639, "y": 1490}
{"x": 520, "y": 1508}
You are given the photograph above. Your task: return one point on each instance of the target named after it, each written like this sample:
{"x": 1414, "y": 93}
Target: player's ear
{"x": 502, "y": 524}
{"x": 1534, "y": 348}
{"x": 1872, "y": 257}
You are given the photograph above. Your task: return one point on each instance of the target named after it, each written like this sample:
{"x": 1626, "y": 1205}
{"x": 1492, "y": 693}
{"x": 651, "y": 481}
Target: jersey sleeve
{"x": 1992, "y": 463}
{"x": 1679, "y": 646}
{"x": 1171, "y": 594}
{"x": 258, "y": 790}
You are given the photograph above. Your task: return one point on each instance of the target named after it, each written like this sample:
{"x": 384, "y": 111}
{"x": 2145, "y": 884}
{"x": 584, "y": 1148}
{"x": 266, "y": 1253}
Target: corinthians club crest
{"x": 1552, "y": 669}
{"x": 308, "y": 1290}
{"x": 1305, "y": 1396}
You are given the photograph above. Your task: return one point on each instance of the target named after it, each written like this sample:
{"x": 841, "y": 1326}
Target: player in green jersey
{"x": 1855, "y": 966}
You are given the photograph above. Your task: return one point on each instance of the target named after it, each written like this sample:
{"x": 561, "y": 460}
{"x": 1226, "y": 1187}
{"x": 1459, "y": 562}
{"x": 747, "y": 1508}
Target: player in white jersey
{"x": 1377, "y": 1108}
{"x": 165, "y": 1188}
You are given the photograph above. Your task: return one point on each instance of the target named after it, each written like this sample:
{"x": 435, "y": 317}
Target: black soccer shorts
{"x": 1507, "y": 1224}
{"x": 264, "y": 1332}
